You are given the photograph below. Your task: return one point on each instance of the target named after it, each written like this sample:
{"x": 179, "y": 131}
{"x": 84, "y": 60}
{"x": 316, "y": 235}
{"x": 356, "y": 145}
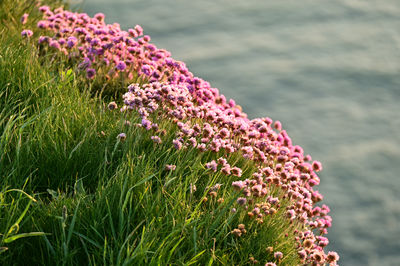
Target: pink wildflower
{"x": 90, "y": 73}
{"x": 236, "y": 171}
{"x": 26, "y": 33}
{"x": 121, "y": 66}
{"x": 211, "y": 165}
{"x": 170, "y": 167}
{"x": 156, "y": 139}
{"x": 122, "y": 137}
{"x": 24, "y": 18}
{"x": 226, "y": 170}
{"x": 332, "y": 257}
{"x": 278, "y": 125}
{"x": 278, "y": 255}
{"x": 112, "y": 106}
{"x": 241, "y": 201}
{"x": 317, "y": 166}
{"x": 177, "y": 144}
{"x": 238, "y": 185}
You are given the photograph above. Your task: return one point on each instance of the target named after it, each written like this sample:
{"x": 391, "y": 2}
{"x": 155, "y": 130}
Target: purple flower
{"x": 43, "y": 39}
{"x": 177, "y": 144}
{"x": 212, "y": 165}
{"x": 170, "y": 167}
{"x": 139, "y": 30}
{"x": 121, "y": 137}
{"x": 71, "y": 41}
{"x": 121, "y": 66}
{"x": 26, "y": 33}
{"x": 85, "y": 64}
{"x": 112, "y": 106}
{"x": 55, "y": 44}
{"x": 317, "y": 166}
{"x": 146, "y": 124}
{"x": 278, "y": 255}
{"x": 24, "y": 18}
{"x": 90, "y": 73}
{"x": 238, "y": 185}
{"x": 241, "y": 201}
{"x": 236, "y": 171}
{"x": 44, "y": 9}
{"x": 99, "y": 16}
{"x": 146, "y": 69}
{"x": 156, "y": 139}
{"x": 278, "y": 125}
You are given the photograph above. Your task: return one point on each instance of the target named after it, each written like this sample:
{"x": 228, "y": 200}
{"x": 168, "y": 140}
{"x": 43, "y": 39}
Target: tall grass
{"x": 81, "y": 196}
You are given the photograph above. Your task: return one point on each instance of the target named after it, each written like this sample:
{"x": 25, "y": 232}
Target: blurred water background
{"x": 328, "y": 70}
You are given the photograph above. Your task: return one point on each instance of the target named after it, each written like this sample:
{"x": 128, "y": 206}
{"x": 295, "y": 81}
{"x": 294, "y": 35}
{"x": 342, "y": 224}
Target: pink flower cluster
{"x": 101, "y": 47}
{"x": 205, "y": 120}
{"x": 224, "y": 127}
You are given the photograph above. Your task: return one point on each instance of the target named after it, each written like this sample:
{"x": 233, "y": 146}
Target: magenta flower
{"x": 156, "y": 139}
{"x": 241, "y": 201}
{"x": 121, "y": 137}
{"x": 317, "y": 166}
{"x": 90, "y": 73}
{"x": 236, "y": 171}
{"x": 71, "y": 41}
{"x": 26, "y": 33}
{"x": 44, "y": 9}
{"x": 278, "y": 255}
{"x": 112, "y": 106}
{"x": 278, "y": 125}
{"x": 332, "y": 257}
{"x": 121, "y": 66}
{"x": 146, "y": 124}
{"x": 55, "y": 44}
{"x": 226, "y": 170}
{"x": 43, "y": 39}
{"x": 146, "y": 69}
{"x": 212, "y": 165}
{"x": 99, "y": 16}
{"x": 170, "y": 167}
{"x": 239, "y": 185}
{"x": 177, "y": 144}
{"x": 24, "y": 18}
{"x": 138, "y": 30}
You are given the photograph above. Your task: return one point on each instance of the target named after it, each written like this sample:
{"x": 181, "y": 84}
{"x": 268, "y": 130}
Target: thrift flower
{"x": 156, "y": 139}
{"x": 24, "y": 18}
{"x": 26, "y": 33}
{"x": 121, "y": 66}
{"x": 90, "y": 73}
{"x": 170, "y": 167}
{"x": 112, "y": 106}
{"x": 122, "y": 137}
{"x": 278, "y": 255}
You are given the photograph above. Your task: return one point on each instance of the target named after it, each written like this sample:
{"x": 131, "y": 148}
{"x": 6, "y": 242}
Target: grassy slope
{"x": 102, "y": 201}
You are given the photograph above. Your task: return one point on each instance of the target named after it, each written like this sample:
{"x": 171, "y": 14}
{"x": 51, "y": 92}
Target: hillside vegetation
{"x": 113, "y": 153}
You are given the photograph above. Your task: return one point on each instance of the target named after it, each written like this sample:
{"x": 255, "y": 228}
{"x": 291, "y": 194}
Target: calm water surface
{"x": 328, "y": 70}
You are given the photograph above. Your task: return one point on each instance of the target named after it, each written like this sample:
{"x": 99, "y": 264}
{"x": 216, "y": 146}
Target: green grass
{"x": 72, "y": 194}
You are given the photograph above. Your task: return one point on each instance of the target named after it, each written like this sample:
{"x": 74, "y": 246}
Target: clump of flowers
{"x": 164, "y": 89}
{"x": 240, "y": 230}
{"x": 103, "y": 49}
